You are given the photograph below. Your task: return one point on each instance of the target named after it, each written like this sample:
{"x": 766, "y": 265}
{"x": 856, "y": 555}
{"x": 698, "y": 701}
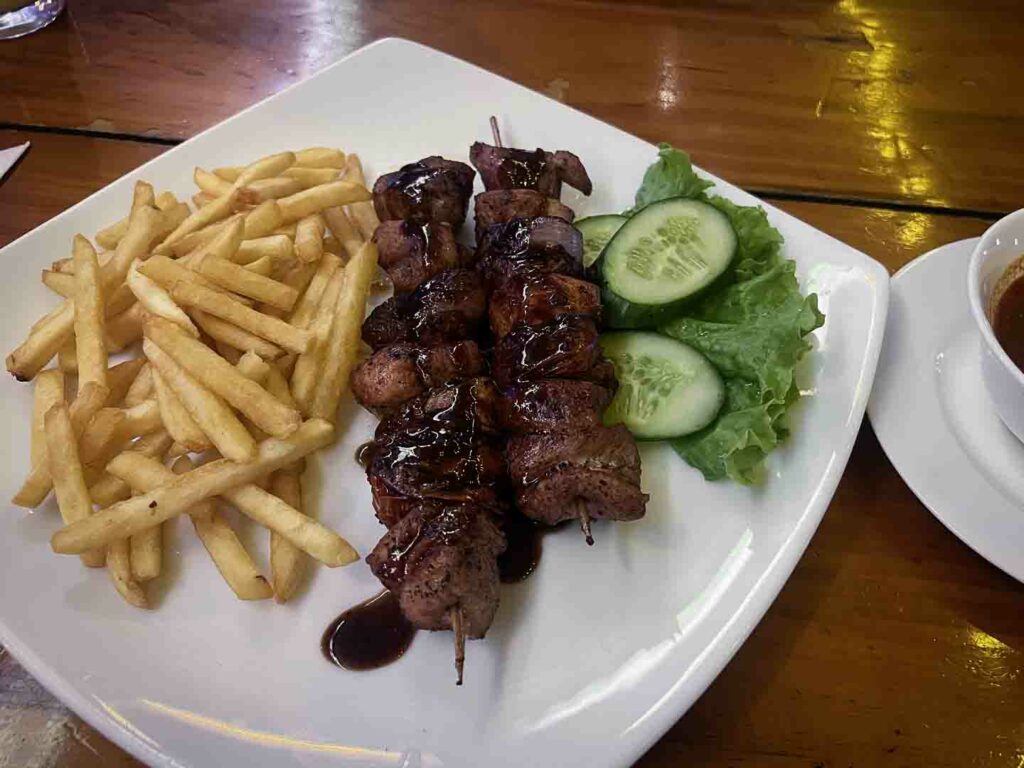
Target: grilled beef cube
{"x": 553, "y": 405}
{"x": 540, "y": 244}
{"x": 412, "y": 253}
{"x": 386, "y": 324}
{"x": 475, "y": 401}
{"x": 448, "y": 306}
{"x": 534, "y": 299}
{"x": 432, "y": 190}
{"x": 501, "y": 205}
{"x": 439, "y": 557}
{"x": 555, "y": 473}
{"x": 508, "y": 168}
{"x": 565, "y": 348}
{"x": 391, "y": 506}
{"x": 403, "y": 370}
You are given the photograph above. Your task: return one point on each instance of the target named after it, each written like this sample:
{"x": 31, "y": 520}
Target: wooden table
{"x": 895, "y": 126}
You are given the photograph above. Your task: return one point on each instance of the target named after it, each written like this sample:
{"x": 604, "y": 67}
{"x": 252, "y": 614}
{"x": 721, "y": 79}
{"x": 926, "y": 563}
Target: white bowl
{"x": 999, "y": 247}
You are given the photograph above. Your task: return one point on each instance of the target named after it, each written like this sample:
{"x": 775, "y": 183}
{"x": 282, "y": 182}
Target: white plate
{"x": 933, "y": 416}
{"x": 588, "y": 662}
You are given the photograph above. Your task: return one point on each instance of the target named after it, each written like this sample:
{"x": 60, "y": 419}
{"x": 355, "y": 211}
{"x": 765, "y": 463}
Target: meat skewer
{"x": 546, "y": 356}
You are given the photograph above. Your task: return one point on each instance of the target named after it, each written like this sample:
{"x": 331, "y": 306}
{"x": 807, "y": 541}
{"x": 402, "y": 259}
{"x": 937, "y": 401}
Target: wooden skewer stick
{"x": 584, "y": 516}
{"x": 460, "y": 641}
{"x": 495, "y": 132}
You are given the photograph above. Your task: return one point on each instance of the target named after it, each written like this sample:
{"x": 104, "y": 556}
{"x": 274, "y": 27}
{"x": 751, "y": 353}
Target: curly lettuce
{"x": 753, "y": 328}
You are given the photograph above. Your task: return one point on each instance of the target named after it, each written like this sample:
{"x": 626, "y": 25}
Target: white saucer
{"x": 933, "y": 416}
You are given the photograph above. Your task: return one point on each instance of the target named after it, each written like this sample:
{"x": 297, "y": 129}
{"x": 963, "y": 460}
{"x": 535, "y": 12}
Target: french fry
{"x": 43, "y": 342}
{"x": 220, "y": 208}
{"x": 166, "y": 273}
{"x": 210, "y": 413}
{"x": 210, "y": 183}
{"x": 143, "y": 229}
{"x": 166, "y": 201}
{"x": 277, "y": 385}
{"x": 343, "y": 344}
{"x": 305, "y": 533}
{"x": 223, "y": 245}
{"x": 320, "y": 157}
{"x": 269, "y": 189}
{"x": 228, "y": 352}
{"x": 309, "y": 364}
{"x": 287, "y": 562}
{"x": 125, "y": 328}
{"x": 201, "y": 199}
{"x": 309, "y": 238}
{"x": 143, "y": 195}
{"x": 37, "y": 485}
{"x": 120, "y": 377}
{"x": 277, "y": 247}
{"x": 142, "y": 419}
{"x": 240, "y": 280}
{"x": 67, "y": 357}
{"x": 253, "y": 368}
{"x": 362, "y": 214}
{"x": 216, "y": 478}
{"x": 288, "y": 230}
{"x": 48, "y": 392}
{"x": 90, "y": 349}
{"x": 190, "y": 242}
{"x": 262, "y": 220}
{"x": 146, "y": 550}
{"x": 221, "y": 377}
{"x": 61, "y": 283}
{"x": 315, "y": 199}
{"x": 177, "y": 420}
{"x": 236, "y": 337}
{"x": 265, "y": 266}
{"x": 344, "y": 230}
{"x": 68, "y": 479}
{"x": 229, "y": 172}
{"x": 265, "y": 168}
{"x": 312, "y": 177}
{"x": 119, "y": 565}
{"x": 218, "y": 304}
{"x": 157, "y": 301}
{"x": 306, "y": 306}
{"x": 103, "y": 431}
{"x": 141, "y": 389}
{"x": 117, "y": 301}
{"x": 172, "y": 218}
{"x": 228, "y": 555}
{"x": 109, "y": 237}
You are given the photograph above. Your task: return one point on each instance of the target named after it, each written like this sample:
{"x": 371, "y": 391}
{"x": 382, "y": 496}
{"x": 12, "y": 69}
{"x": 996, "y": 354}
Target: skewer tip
{"x": 584, "y": 517}
{"x": 460, "y": 642}
{"x": 495, "y": 132}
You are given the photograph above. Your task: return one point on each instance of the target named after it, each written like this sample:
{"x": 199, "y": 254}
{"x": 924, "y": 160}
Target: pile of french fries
{"x": 239, "y": 321}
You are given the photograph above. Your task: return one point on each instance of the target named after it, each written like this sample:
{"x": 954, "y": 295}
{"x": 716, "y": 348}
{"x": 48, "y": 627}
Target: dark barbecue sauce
{"x": 363, "y": 454}
{"x": 524, "y": 547}
{"x": 521, "y": 169}
{"x": 368, "y": 635}
{"x": 411, "y": 180}
{"x": 1008, "y": 320}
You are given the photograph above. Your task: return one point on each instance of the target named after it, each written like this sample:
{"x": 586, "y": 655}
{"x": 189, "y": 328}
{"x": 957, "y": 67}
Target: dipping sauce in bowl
{"x": 1006, "y": 312}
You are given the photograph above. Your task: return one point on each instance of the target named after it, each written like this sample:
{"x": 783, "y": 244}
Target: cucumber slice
{"x": 668, "y": 253}
{"x": 666, "y": 388}
{"x": 597, "y": 231}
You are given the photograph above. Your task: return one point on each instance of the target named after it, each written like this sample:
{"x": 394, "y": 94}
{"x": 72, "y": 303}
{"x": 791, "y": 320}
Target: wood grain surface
{"x": 886, "y": 99}
{"x": 892, "y": 644}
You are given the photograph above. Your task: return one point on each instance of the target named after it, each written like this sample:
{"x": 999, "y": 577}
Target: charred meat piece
{"x": 412, "y": 253}
{"x": 508, "y": 168}
{"x": 441, "y": 557}
{"x": 403, "y": 370}
{"x": 501, "y": 205}
{"x": 430, "y": 190}
{"x": 391, "y": 506}
{"x": 532, "y": 457}
{"x": 565, "y": 348}
{"x": 597, "y": 468}
{"x": 476, "y": 401}
{"x": 534, "y": 299}
{"x": 553, "y": 405}
{"x": 540, "y": 244}
{"x": 448, "y": 306}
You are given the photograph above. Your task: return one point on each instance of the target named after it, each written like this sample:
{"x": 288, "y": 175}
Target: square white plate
{"x": 588, "y": 662}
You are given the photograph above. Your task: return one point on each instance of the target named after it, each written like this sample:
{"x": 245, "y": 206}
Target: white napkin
{"x": 8, "y": 157}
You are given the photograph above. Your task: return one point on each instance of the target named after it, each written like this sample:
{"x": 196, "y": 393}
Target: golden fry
{"x": 344, "y": 230}
{"x": 177, "y": 420}
{"x": 287, "y": 562}
{"x": 61, "y": 283}
{"x": 216, "y": 478}
{"x": 222, "y": 378}
{"x": 120, "y": 378}
{"x": 219, "y": 209}
{"x": 312, "y": 177}
{"x": 265, "y": 168}
{"x": 277, "y": 247}
{"x": 209, "y": 412}
{"x": 236, "y": 337}
{"x": 306, "y": 306}
{"x": 269, "y": 189}
{"x": 124, "y": 329}
{"x": 147, "y": 549}
{"x": 210, "y": 183}
{"x": 157, "y": 301}
{"x": 315, "y": 199}
{"x": 309, "y": 365}
{"x": 309, "y": 238}
{"x": 362, "y": 214}
{"x": 320, "y": 157}
{"x": 120, "y": 567}
{"x": 343, "y": 344}
{"x": 141, "y": 389}
{"x": 48, "y": 392}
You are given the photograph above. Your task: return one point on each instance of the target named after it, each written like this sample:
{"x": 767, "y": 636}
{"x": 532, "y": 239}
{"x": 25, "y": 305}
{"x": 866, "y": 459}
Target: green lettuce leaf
{"x": 753, "y": 328}
{"x": 671, "y": 176}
